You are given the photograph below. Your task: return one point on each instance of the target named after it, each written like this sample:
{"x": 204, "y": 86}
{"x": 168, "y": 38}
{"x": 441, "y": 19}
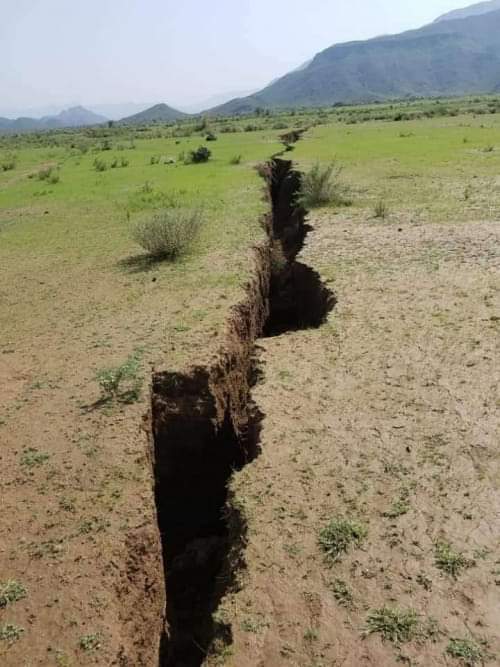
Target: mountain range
{"x": 74, "y": 117}
{"x": 457, "y": 54}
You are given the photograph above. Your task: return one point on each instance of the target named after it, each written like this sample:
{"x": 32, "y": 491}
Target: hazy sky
{"x": 57, "y": 52}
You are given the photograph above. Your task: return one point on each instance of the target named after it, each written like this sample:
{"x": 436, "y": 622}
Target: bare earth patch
{"x": 387, "y": 418}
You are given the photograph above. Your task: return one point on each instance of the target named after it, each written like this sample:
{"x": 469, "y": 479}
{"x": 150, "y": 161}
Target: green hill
{"x": 448, "y": 57}
{"x": 160, "y": 113}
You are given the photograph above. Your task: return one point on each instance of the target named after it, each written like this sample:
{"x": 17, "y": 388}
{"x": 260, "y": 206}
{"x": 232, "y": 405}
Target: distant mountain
{"x": 74, "y": 117}
{"x": 448, "y": 57}
{"x": 473, "y": 10}
{"x": 119, "y": 110}
{"x": 214, "y": 100}
{"x": 159, "y": 113}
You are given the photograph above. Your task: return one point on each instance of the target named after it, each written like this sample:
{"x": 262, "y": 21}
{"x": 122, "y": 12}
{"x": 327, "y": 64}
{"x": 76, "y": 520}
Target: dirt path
{"x": 387, "y": 415}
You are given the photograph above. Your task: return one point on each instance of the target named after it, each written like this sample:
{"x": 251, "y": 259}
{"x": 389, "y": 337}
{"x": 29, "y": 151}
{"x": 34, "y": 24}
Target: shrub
{"x": 321, "y": 185}
{"x": 170, "y": 233}
{"x": 449, "y": 560}
{"x": 100, "y": 165}
{"x": 8, "y": 163}
{"x": 121, "y": 382}
{"x": 201, "y": 154}
{"x": 11, "y": 591}
{"x": 336, "y": 538}
{"x": 468, "y": 651}
{"x": 124, "y": 162}
{"x": 236, "y": 159}
{"x": 44, "y": 173}
{"x": 210, "y": 137}
{"x": 394, "y": 625}
{"x": 381, "y": 209}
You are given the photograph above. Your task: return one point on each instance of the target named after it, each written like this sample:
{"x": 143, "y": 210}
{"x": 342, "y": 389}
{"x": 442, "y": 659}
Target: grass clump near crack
{"x": 468, "y": 651}
{"x": 169, "y": 234}
{"x": 340, "y": 535}
{"x": 450, "y": 561}
{"x": 11, "y": 591}
{"x": 399, "y": 626}
{"x": 121, "y": 382}
{"x": 321, "y": 186}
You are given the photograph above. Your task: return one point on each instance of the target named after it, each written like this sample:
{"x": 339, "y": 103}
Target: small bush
{"x": 10, "y": 633}
{"x": 44, "y": 173}
{"x": 339, "y": 535}
{"x": 210, "y": 137}
{"x": 236, "y": 159}
{"x": 381, "y": 209}
{"x": 321, "y": 185}
{"x": 201, "y": 154}
{"x": 8, "y": 163}
{"x": 169, "y": 234}
{"x": 450, "y": 561}
{"x": 11, "y": 591}
{"x": 394, "y": 625}
{"x": 121, "y": 382}
{"x": 124, "y": 162}
{"x": 114, "y": 163}
{"x": 468, "y": 651}
{"x": 53, "y": 178}
{"x": 100, "y": 165}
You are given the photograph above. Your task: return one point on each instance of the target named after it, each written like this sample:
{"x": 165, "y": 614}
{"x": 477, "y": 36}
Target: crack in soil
{"x": 205, "y": 427}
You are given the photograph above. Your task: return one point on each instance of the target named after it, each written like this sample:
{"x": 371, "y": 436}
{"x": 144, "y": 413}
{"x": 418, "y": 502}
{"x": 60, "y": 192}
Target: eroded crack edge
{"x": 205, "y": 425}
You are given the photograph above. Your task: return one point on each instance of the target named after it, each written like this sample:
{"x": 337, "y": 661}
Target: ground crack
{"x": 205, "y": 427}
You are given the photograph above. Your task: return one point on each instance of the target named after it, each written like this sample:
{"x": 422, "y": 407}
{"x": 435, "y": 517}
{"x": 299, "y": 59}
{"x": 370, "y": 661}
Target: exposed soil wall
{"x": 205, "y": 426}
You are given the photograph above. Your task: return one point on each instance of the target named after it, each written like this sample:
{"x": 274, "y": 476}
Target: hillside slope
{"x": 449, "y": 57}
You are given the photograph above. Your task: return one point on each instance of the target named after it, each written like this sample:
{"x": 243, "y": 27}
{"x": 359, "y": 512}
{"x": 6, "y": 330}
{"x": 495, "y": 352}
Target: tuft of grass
{"x": 381, "y": 209}
{"x": 399, "y": 507}
{"x": 10, "y": 633}
{"x": 341, "y": 593}
{"x": 121, "y": 382}
{"x": 395, "y": 625}
{"x": 90, "y": 643}
{"x": 449, "y": 560}
{"x": 11, "y": 591}
{"x": 100, "y": 165}
{"x": 339, "y": 535}
{"x": 321, "y": 186}
{"x": 32, "y": 457}
{"x": 169, "y": 234}
{"x": 236, "y": 159}
{"x": 468, "y": 651}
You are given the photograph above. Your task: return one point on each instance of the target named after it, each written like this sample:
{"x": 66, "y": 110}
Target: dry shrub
{"x": 170, "y": 233}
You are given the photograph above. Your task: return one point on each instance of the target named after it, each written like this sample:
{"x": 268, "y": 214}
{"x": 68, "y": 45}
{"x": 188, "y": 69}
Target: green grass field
{"x": 429, "y": 169}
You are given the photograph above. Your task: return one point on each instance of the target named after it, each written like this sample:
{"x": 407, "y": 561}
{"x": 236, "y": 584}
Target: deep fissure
{"x": 205, "y": 427}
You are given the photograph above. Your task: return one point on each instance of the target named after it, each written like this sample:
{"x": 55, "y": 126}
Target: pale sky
{"x": 61, "y": 52}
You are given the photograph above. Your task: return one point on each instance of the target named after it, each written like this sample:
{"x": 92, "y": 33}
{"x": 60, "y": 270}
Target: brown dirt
{"x": 395, "y": 399}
